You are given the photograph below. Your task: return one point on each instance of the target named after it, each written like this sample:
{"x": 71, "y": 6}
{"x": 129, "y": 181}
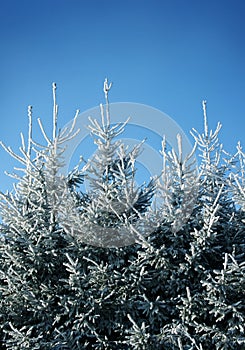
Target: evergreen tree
{"x": 104, "y": 215}
{"x": 32, "y": 242}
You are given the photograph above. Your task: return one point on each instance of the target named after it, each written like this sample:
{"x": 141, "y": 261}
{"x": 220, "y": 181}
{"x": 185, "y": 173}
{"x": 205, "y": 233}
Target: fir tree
{"x": 114, "y": 202}
{"x": 32, "y": 242}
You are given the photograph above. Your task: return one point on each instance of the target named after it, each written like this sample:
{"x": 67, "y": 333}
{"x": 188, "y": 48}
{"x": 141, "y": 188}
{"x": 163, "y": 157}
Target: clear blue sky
{"x": 166, "y": 54}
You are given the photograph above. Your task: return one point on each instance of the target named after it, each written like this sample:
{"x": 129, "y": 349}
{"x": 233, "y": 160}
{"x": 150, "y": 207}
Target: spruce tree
{"x": 114, "y": 202}
{"x": 32, "y": 242}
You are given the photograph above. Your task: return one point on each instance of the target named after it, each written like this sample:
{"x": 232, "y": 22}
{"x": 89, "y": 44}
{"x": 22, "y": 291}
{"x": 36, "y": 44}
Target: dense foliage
{"x": 179, "y": 287}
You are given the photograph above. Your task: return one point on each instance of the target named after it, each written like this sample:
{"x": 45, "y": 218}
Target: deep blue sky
{"x": 166, "y": 54}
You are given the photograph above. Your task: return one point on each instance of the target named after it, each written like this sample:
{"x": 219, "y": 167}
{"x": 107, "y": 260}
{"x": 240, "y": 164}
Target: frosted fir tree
{"x": 214, "y": 240}
{"x": 32, "y": 241}
{"x": 115, "y": 210}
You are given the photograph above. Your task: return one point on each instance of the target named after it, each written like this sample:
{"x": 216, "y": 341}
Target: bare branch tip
{"x": 107, "y": 86}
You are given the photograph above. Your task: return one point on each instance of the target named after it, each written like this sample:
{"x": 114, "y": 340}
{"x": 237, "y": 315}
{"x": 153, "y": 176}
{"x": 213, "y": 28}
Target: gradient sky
{"x": 167, "y": 54}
